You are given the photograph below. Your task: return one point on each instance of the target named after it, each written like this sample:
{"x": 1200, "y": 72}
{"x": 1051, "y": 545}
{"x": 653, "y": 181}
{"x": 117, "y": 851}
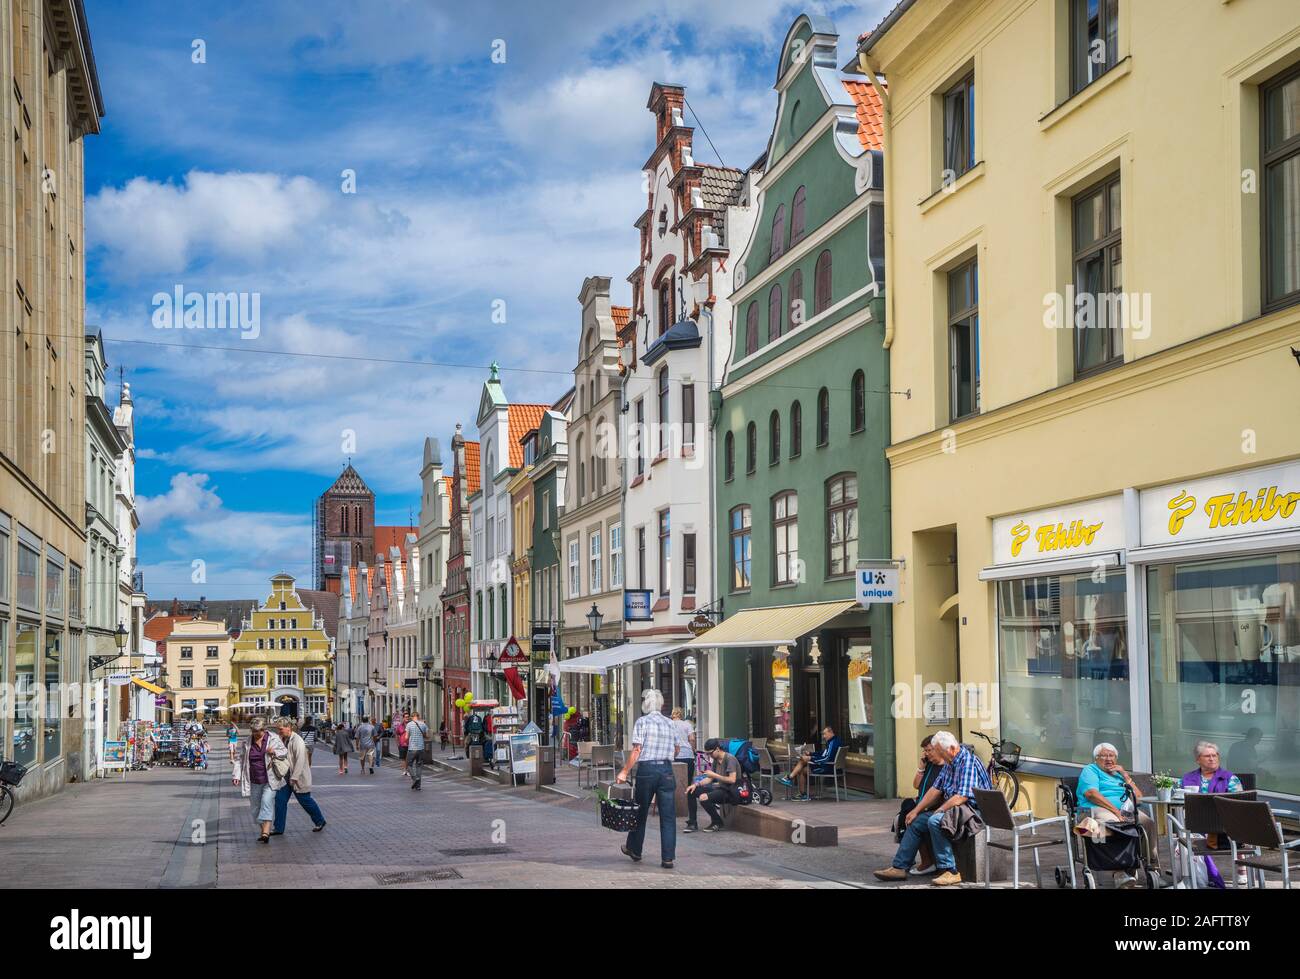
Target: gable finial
{"x": 495, "y": 368}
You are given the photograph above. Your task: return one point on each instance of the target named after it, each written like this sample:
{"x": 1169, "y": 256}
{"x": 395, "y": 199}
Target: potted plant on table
{"x": 1165, "y": 783}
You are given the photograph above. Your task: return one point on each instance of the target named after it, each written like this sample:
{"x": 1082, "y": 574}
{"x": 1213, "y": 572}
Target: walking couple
{"x": 271, "y": 766}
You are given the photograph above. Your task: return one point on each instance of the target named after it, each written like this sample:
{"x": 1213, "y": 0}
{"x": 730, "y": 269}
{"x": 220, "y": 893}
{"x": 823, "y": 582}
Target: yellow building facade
{"x": 1096, "y": 500}
{"x": 283, "y": 655}
{"x": 199, "y": 654}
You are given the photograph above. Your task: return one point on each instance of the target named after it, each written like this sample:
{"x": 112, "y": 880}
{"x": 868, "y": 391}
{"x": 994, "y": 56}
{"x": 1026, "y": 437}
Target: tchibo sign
{"x": 877, "y": 583}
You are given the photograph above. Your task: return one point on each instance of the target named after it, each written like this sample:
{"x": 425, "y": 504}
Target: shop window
{"x": 1094, "y": 40}
{"x": 1224, "y": 640}
{"x": 741, "y": 524}
{"x": 785, "y": 538}
{"x": 53, "y": 720}
{"x": 773, "y": 438}
{"x": 29, "y": 561}
{"x": 841, "y": 524}
{"x": 862, "y": 719}
{"x": 1064, "y": 656}
{"x": 782, "y": 698}
{"x": 964, "y": 340}
{"x": 1280, "y": 112}
{"x": 1098, "y": 279}
{"x": 775, "y": 309}
{"x": 796, "y": 430}
{"x": 25, "y": 696}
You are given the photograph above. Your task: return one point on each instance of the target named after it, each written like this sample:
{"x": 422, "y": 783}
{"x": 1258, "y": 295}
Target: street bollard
{"x": 475, "y": 759}
{"x": 545, "y": 765}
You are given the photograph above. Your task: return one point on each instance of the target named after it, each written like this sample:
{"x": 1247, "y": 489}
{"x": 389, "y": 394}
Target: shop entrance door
{"x": 813, "y": 714}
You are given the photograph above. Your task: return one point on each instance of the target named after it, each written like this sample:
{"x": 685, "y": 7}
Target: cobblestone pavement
{"x": 176, "y": 828}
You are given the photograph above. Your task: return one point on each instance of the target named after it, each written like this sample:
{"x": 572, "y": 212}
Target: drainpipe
{"x": 886, "y": 122}
{"x": 707, "y": 310}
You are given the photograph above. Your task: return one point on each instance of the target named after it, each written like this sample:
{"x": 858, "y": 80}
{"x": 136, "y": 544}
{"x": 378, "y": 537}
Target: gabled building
{"x": 198, "y": 677}
{"x": 591, "y": 527}
{"x": 549, "y": 486}
{"x": 283, "y": 655}
{"x": 674, "y": 353}
{"x": 434, "y": 545}
{"x": 802, "y": 426}
{"x": 465, "y": 480}
{"x": 501, "y": 428}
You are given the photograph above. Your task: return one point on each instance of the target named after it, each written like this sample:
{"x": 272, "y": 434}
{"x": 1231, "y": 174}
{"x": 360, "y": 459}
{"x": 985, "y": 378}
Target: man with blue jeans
{"x": 654, "y": 745}
{"x": 298, "y": 782}
{"x": 956, "y": 783}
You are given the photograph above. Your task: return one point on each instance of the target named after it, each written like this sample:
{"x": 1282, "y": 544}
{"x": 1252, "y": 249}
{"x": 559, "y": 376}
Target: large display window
{"x": 1064, "y": 664}
{"x": 1224, "y": 641}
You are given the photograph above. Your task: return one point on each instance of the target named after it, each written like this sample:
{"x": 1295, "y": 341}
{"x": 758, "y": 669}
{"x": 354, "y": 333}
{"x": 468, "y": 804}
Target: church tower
{"x": 344, "y": 529}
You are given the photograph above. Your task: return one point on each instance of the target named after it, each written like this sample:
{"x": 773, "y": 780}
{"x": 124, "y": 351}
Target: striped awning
{"x": 780, "y": 625}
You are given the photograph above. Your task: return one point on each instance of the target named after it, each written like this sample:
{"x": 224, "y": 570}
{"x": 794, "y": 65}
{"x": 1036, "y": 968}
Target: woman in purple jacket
{"x": 1209, "y": 777}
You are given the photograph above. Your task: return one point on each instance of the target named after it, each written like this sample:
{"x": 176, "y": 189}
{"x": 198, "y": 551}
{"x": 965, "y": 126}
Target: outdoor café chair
{"x": 1200, "y": 821}
{"x": 1024, "y": 835}
{"x": 602, "y": 760}
{"x": 766, "y": 770}
{"x": 1251, "y": 825}
{"x": 836, "y": 775}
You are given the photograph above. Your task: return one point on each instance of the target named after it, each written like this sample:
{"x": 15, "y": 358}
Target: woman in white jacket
{"x": 256, "y": 775}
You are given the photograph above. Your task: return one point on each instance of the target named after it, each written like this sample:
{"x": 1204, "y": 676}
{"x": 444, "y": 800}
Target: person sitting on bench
{"x": 821, "y": 764}
{"x": 714, "y": 789}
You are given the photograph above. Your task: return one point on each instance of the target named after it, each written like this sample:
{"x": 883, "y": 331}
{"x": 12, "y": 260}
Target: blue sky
{"x": 475, "y": 181}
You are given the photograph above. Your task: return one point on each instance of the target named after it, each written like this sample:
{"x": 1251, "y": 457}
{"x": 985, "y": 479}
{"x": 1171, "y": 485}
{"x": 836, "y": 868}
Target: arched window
{"x": 774, "y": 313}
{"x": 663, "y": 407}
{"x": 751, "y": 328}
{"x": 778, "y": 235}
{"x": 841, "y": 524}
{"x": 665, "y": 305}
{"x": 773, "y": 439}
{"x": 751, "y": 448}
{"x": 823, "y": 417}
{"x": 797, "y": 216}
{"x": 859, "y": 402}
{"x": 582, "y": 473}
{"x": 797, "y": 312}
{"x": 822, "y": 283}
{"x": 729, "y": 457}
{"x": 796, "y": 429}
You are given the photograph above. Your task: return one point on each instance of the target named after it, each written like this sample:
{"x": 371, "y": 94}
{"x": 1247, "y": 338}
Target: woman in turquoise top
{"x": 1102, "y": 786}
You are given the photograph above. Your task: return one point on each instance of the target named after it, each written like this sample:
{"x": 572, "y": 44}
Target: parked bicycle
{"x": 1002, "y": 768}
{"x": 11, "y": 773}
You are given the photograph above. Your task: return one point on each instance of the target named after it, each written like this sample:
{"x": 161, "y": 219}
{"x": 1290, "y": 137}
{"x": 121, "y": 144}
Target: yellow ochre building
{"x": 1093, "y": 254}
{"x": 284, "y": 656}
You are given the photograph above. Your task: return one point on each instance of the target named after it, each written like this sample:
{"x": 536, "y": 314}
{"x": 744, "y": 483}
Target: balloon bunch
{"x": 570, "y": 712}
{"x": 463, "y": 704}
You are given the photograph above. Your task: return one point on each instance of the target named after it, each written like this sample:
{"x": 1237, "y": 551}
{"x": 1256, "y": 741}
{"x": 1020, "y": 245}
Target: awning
{"x": 151, "y": 687}
{"x": 616, "y": 656}
{"x": 781, "y": 625}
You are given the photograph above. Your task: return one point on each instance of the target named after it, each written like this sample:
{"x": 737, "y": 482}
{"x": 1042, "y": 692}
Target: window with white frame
{"x": 594, "y": 553}
{"x": 316, "y": 677}
{"x": 575, "y": 574}
{"x": 286, "y": 677}
{"x": 616, "y": 556}
{"x": 315, "y": 704}
{"x": 254, "y": 678}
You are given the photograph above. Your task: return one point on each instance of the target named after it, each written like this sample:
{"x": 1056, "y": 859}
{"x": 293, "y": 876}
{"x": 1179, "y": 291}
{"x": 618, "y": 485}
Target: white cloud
{"x": 188, "y": 499}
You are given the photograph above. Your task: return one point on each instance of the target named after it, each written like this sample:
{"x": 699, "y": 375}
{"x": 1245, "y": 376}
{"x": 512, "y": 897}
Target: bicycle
{"x": 1002, "y": 768}
{"x": 11, "y": 773}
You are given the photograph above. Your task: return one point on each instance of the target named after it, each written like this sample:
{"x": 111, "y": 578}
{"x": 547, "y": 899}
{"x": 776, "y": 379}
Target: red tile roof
{"x": 871, "y": 130}
{"x": 523, "y": 419}
{"x": 447, "y": 482}
{"x": 386, "y": 537}
{"x": 622, "y": 316}
{"x": 160, "y": 626}
{"x": 473, "y": 476}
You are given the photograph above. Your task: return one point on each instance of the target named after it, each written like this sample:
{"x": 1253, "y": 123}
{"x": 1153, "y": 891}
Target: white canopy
{"x": 616, "y": 656}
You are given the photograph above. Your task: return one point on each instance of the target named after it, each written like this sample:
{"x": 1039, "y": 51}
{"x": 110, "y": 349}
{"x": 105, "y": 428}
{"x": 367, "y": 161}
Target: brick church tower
{"x": 344, "y": 529}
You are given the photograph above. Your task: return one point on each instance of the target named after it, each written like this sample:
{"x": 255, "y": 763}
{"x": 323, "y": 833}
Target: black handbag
{"x": 617, "y": 814}
{"x": 899, "y": 826}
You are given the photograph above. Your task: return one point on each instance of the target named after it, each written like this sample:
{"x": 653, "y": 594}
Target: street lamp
{"x": 120, "y": 636}
{"x": 426, "y": 667}
{"x": 595, "y": 620}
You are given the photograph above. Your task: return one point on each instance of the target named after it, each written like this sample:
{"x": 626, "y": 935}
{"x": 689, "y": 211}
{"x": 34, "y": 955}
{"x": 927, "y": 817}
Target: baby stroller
{"x": 1124, "y": 850}
{"x": 747, "y": 757}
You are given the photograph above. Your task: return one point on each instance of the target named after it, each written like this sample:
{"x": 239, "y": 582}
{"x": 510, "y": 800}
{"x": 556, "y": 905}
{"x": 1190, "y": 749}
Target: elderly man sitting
{"x": 955, "y": 785}
{"x": 1102, "y": 788}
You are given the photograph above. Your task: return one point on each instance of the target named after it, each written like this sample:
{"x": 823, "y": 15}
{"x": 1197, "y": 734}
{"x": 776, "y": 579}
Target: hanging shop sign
{"x": 877, "y": 583}
{"x": 541, "y": 643}
{"x": 512, "y": 652}
{"x": 1092, "y": 526}
{"x": 637, "y": 605}
{"x": 1254, "y": 501}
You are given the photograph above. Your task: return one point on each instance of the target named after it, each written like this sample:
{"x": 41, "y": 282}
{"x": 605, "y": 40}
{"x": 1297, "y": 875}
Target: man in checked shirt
{"x": 655, "y": 740}
{"x": 956, "y": 783}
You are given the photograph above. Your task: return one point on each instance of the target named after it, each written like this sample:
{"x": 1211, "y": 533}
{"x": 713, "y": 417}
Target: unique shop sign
{"x": 1090, "y": 527}
{"x": 877, "y": 583}
{"x": 1255, "y": 501}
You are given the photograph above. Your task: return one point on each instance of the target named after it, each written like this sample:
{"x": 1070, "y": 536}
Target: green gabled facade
{"x": 789, "y": 364}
